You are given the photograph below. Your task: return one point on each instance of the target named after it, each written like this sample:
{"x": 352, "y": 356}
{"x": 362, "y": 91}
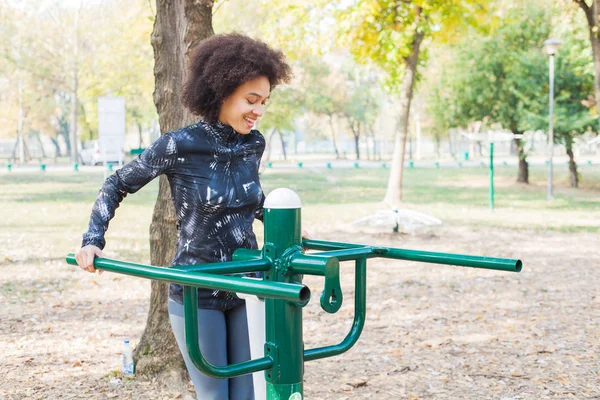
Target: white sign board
{"x": 111, "y": 129}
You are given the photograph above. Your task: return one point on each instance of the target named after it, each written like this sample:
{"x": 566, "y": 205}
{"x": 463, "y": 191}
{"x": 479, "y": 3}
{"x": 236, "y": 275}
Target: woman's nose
{"x": 259, "y": 110}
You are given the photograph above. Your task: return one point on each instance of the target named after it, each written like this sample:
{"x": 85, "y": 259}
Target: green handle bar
{"x": 348, "y": 251}
{"x": 299, "y": 294}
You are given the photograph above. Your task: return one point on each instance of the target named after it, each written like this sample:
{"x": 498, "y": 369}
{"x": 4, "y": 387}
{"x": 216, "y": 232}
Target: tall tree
{"x": 572, "y": 110}
{"x": 498, "y": 78}
{"x": 591, "y": 9}
{"x": 179, "y": 26}
{"x": 391, "y": 34}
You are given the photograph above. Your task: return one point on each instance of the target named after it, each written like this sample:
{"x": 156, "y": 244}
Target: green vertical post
{"x": 491, "y": 175}
{"x": 283, "y": 319}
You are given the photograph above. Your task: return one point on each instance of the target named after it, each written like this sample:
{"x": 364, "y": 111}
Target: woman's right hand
{"x": 85, "y": 257}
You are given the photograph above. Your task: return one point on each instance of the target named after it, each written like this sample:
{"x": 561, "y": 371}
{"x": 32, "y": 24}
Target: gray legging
{"x": 223, "y": 339}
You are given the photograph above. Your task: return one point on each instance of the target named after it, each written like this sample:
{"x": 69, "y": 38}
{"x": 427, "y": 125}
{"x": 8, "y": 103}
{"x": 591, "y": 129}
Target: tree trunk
{"x": 357, "y": 145}
{"x": 523, "y": 174}
{"x": 73, "y": 131}
{"x": 282, "y": 143}
{"x": 393, "y": 195}
{"x": 178, "y": 28}
{"x": 376, "y": 151}
{"x": 269, "y": 146}
{"x": 356, "y": 134}
{"x": 140, "y": 130}
{"x": 38, "y": 137}
{"x": 573, "y": 176}
{"x": 335, "y": 148}
{"x": 591, "y": 14}
{"x": 20, "y": 135}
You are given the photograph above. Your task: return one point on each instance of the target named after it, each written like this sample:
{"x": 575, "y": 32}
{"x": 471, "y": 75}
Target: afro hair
{"x": 221, "y": 63}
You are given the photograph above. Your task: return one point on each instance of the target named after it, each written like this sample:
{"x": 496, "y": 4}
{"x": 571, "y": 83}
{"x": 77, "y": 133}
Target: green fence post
{"x": 43, "y": 167}
{"x": 283, "y": 318}
{"x": 75, "y": 167}
{"x": 8, "y": 167}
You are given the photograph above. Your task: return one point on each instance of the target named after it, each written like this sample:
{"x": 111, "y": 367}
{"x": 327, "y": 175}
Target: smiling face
{"x": 246, "y": 105}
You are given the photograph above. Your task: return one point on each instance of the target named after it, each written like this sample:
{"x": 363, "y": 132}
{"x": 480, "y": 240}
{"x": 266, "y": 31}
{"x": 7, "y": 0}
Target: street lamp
{"x": 552, "y": 46}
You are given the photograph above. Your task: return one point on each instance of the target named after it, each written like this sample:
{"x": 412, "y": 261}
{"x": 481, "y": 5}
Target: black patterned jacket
{"x": 213, "y": 174}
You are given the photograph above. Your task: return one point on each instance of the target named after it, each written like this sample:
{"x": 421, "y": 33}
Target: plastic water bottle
{"x": 127, "y": 362}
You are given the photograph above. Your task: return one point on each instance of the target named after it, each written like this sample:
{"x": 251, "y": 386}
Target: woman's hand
{"x": 85, "y": 258}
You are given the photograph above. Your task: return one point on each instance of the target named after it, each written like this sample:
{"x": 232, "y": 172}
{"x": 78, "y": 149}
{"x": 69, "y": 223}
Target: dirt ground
{"x": 432, "y": 332}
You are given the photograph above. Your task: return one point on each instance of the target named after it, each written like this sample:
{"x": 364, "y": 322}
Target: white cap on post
{"x": 282, "y": 198}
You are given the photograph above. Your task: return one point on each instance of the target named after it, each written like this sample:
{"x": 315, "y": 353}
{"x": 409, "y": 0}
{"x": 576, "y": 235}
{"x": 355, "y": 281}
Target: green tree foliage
{"x": 393, "y": 34}
{"x": 503, "y": 78}
{"x": 497, "y": 77}
{"x": 573, "y": 108}
{"x": 108, "y": 49}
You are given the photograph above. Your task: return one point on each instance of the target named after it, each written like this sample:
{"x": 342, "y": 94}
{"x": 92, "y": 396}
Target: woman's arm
{"x": 157, "y": 159}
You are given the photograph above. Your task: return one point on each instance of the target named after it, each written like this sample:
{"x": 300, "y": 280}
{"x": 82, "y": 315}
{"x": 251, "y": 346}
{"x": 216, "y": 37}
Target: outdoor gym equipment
{"x": 283, "y": 261}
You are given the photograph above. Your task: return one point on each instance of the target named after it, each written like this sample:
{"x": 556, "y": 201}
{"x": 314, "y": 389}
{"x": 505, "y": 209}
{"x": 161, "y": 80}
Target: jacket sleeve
{"x": 259, "y": 212}
{"x": 157, "y": 159}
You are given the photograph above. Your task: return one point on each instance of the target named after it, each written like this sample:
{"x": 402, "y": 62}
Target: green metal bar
{"x": 311, "y": 264}
{"x": 190, "y": 305}
{"x": 227, "y": 267}
{"x": 350, "y": 254}
{"x": 293, "y": 292}
{"x": 501, "y": 264}
{"x": 360, "y": 301}
{"x": 491, "y": 175}
{"x": 246, "y": 254}
{"x": 283, "y": 319}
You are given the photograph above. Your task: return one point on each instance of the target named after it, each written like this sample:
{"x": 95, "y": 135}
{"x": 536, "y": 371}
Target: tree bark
{"x": 393, "y": 195}
{"x": 335, "y": 148}
{"x": 283, "y": 144}
{"x": 355, "y": 128}
{"x": 573, "y": 175}
{"x": 178, "y": 28}
{"x": 523, "y": 174}
{"x": 591, "y": 14}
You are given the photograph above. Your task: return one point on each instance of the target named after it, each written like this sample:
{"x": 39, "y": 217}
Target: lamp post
{"x": 551, "y": 46}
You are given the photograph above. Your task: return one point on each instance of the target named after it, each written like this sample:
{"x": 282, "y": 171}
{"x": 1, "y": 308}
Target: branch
{"x": 583, "y": 5}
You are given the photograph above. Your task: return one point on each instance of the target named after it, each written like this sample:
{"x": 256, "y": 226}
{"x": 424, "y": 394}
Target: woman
{"x": 212, "y": 167}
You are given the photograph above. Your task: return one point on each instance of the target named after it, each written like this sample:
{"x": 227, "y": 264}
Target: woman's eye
{"x": 251, "y": 102}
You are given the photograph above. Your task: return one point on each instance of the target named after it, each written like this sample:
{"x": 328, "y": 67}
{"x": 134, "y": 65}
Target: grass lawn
{"x": 435, "y": 331}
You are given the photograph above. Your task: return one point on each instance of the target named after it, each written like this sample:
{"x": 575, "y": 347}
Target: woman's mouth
{"x": 249, "y": 122}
